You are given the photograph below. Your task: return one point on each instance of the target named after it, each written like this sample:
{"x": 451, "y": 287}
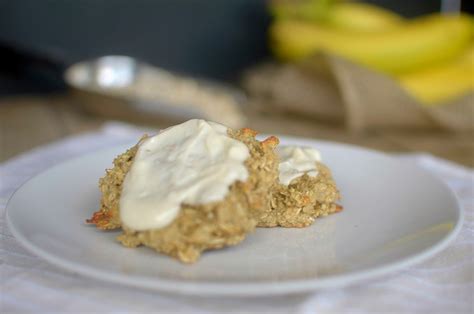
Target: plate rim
{"x": 240, "y": 289}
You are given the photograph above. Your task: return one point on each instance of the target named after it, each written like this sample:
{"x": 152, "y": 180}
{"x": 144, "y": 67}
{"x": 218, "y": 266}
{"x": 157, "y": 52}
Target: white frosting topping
{"x": 194, "y": 163}
{"x": 296, "y": 161}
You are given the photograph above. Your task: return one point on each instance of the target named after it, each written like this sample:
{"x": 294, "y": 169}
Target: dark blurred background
{"x": 207, "y": 38}
{"x": 227, "y": 40}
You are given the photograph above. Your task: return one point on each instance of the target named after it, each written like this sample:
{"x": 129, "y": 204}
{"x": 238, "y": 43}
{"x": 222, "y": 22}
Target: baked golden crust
{"x": 303, "y": 200}
{"x": 198, "y": 227}
{"x": 107, "y": 217}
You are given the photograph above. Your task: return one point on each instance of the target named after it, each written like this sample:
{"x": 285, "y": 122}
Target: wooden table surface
{"x": 28, "y": 122}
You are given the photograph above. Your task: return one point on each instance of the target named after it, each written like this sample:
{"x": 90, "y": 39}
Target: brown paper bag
{"x": 288, "y": 88}
{"x": 332, "y": 88}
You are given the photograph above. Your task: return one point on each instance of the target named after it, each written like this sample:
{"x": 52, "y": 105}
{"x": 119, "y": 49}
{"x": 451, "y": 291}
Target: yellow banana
{"x": 311, "y": 10}
{"x": 442, "y": 83}
{"x": 362, "y": 17}
{"x": 413, "y": 45}
{"x": 355, "y": 16}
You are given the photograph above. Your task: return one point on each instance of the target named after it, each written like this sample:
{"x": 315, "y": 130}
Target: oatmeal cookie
{"x": 197, "y": 227}
{"x": 303, "y": 200}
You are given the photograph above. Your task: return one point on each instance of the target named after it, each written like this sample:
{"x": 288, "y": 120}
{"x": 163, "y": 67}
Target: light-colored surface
{"x": 194, "y": 162}
{"x": 396, "y": 214}
{"x": 442, "y": 284}
{"x": 296, "y": 161}
{"x": 28, "y": 122}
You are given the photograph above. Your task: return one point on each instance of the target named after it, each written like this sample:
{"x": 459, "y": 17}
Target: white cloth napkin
{"x": 443, "y": 284}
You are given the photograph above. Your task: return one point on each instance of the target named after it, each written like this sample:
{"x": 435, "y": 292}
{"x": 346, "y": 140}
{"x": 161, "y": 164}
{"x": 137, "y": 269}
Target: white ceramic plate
{"x": 395, "y": 215}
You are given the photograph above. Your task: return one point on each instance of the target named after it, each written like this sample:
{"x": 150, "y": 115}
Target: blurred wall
{"x": 213, "y": 38}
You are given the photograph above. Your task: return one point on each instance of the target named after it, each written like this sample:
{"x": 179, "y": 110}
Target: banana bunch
{"x": 444, "y": 82}
{"x": 356, "y": 16}
{"x": 430, "y": 56}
